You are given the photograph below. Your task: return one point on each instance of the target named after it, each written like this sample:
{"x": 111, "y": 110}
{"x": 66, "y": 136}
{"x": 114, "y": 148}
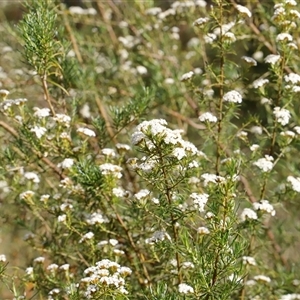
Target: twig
{"x": 71, "y": 35}
{"x": 39, "y": 155}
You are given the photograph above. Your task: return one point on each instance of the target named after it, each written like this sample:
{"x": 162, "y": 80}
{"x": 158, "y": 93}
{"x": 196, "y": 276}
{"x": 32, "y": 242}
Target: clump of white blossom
{"x": 233, "y": 97}
{"x": 265, "y": 207}
{"x": 282, "y": 115}
{"x": 295, "y": 183}
{"x": 208, "y": 117}
{"x": 265, "y": 164}
{"x": 104, "y": 274}
{"x": 184, "y": 288}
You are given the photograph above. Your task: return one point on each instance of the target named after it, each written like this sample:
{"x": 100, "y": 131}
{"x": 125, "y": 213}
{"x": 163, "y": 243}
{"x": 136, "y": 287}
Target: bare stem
{"x": 46, "y": 93}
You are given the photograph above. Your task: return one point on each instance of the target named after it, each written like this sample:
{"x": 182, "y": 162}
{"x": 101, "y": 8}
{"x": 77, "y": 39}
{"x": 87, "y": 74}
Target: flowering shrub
{"x": 151, "y": 152}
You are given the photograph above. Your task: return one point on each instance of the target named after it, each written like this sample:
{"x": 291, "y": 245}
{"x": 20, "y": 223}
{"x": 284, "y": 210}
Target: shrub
{"x": 156, "y": 155}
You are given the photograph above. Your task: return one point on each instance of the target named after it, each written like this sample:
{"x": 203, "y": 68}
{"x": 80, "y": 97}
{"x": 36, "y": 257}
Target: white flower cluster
{"x": 96, "y": 218}
{"x": 290, "y": 297}
{"x": 262, "y": 278}
{"x": 295, "y": 183}
{"x": 249, "y": 260}
{"x": 260, "y": 83}
{"x": 108, "y": 169}
{"x": 77, "y": 10}
{"x": 272, "y": 59}
{"x": 249, "y": 60}
{"x": 282, "y": 115}
{"x": 265, "y": 207}
{"x": 292, "y": 78}
{"x": 244, "y": 11}
{"x": 184, "y": 288}
{"x": 212, "y": 178}
{"x": 86, "y": 131}
{"x": 265, "y": 164}
{"x": 199, "y": 200}
{"x": 106, "y": 274}
{"x": 233, "y": 97}
{"x": 208, "y": 117}
{"x": 158, "y": 236}
{"x": 156, "y": 129}
{"x": 248, "y": 214}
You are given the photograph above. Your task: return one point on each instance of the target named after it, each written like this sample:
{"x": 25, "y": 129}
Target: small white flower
{"x": 142, "y": 70}
{"x": 62, "y": 218}
{"x": 266, "y": 101}
{"x": 210, "y": 38}
{"x": 39, "y": 131}
{"x": 187, "y": 265}
{"x": 39, "y": 260}
{"x": 86, "y": 131}
{"x": 29, "y": 271}
{"x": 297, "y": 129}
{"x": 122, "y": 147}
{"x": 179, "y": 153}
{"x": 187, "y": 76}
{"x": 242, "y": 134}
{"x": 26, "y": 195}
{"x": 108, "y": 152}
{"x": 296, "y": 89}
{"x": 142, "y": 194}
{"x": 260, "y": 83}
{"x": 87, "y": 236}
{"x": 183, "y": 288}
{"x": 284, "y": 37}
{"x": 248, "y": 214}
{"x": 200, "y": 22}
{"x": 203, "y": 230}
{"x": 292, "y": 78}
{"x": 272, "y": 59}
{"x": 32, "y": 176}
{"x": 243, "y": 10}
{"x": 233, "y": 97}
{"x": 262, "y": 278}
{"x": 169, "y": 81}
{"x": 295, "y": 183}
{"x": 64, "y": 267}
{"x": 288, "y": 134}
{"x": 52, "y": 267}
{"x": 62, "y": 119}
{"x": 113, "y": 242}
{"x": 4, "y": 93}
{"x": 249, "y": 260}
{"x": 158, "y": 236}
{"x": 67, "y": 163}
{"x": 153, "y": 11}
{"x": 212, "y": 178}
{"x": 282, "y": 115}
{"x": 41, "y": 112}
{"x": 96, "y": 218}
{"x": 256, "y": 130}
{"x": 2, "y": 258}
{"x": 290, "y": 2}
{"x": 199, "y": 200}
{"x": 249, "y": 60}
{"x": 110, "y": 169}
{"x": 264, "y": 206}
{"x": 265, "y": 163}
{"x": 254, "y": 147}
{"x": 290, "y": 297}
{"x": 229, "y": 37}
{"x": 119, "y": 192}
{"x": 208, "y": 117}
